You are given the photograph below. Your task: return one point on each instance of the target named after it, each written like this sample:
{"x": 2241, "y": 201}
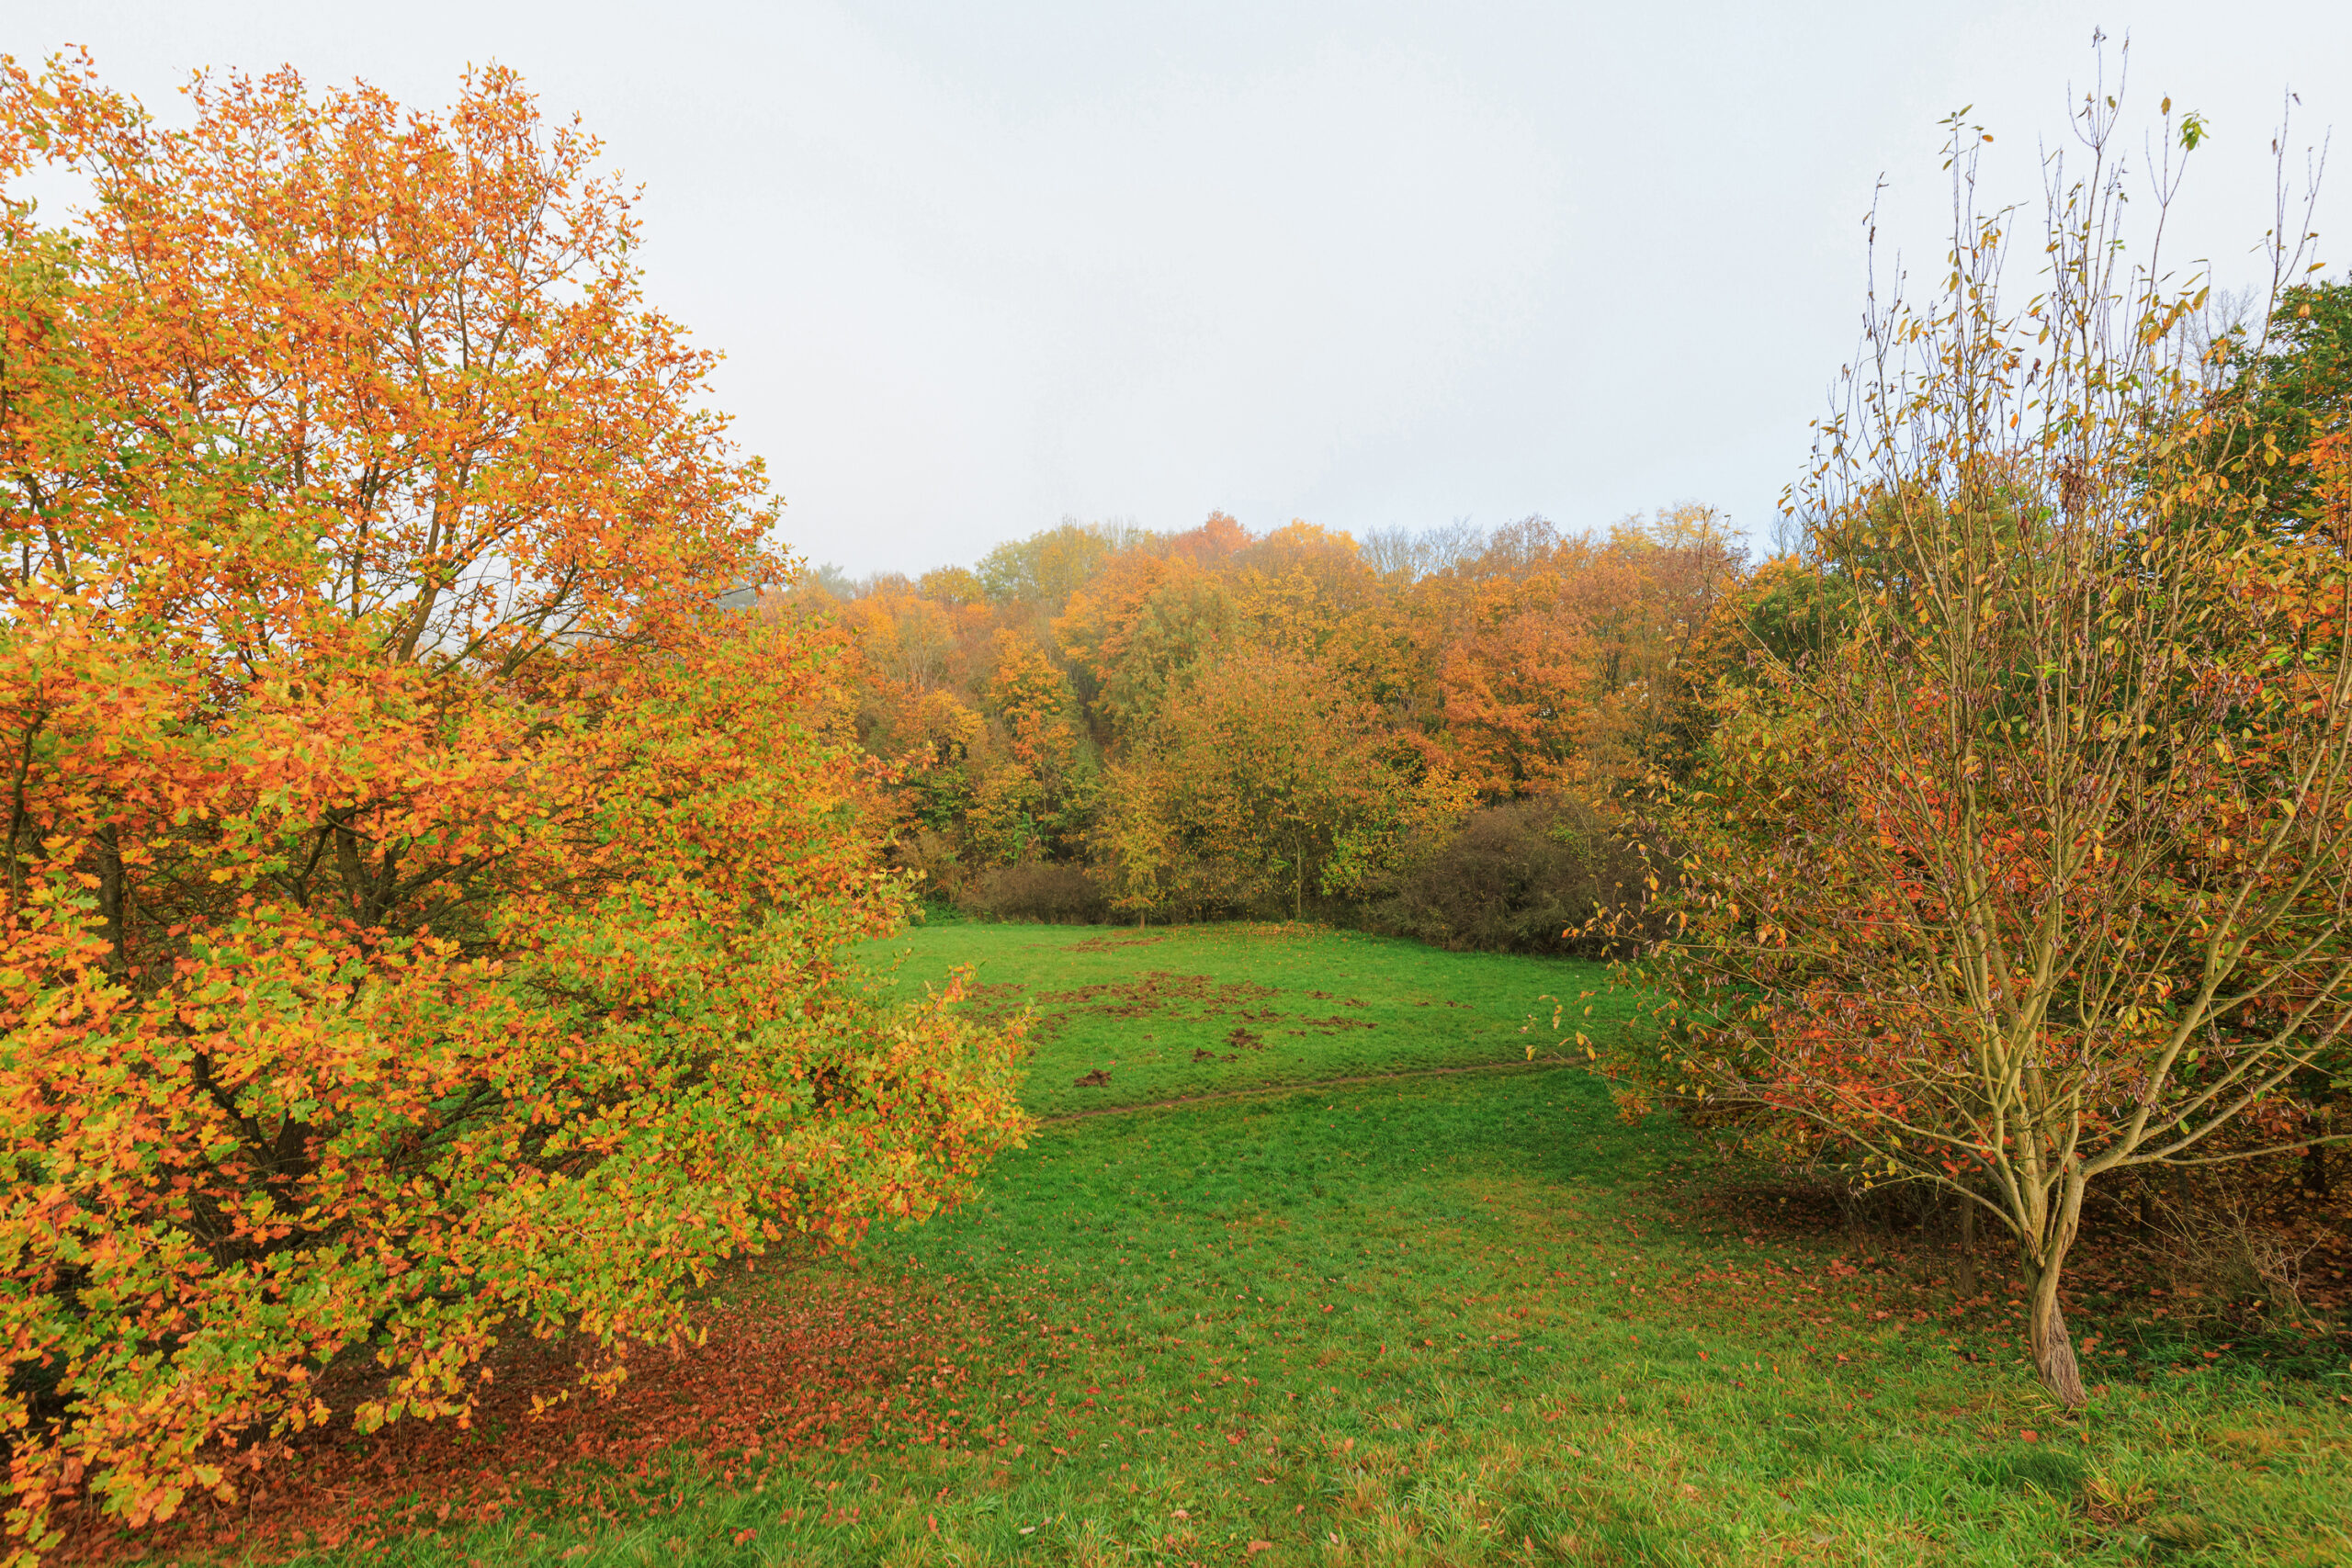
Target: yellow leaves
{"x": 366, "y": 953}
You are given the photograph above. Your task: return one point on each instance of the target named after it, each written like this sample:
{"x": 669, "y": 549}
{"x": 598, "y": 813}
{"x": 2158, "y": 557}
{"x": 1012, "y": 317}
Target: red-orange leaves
{"x": 421, "y": 905}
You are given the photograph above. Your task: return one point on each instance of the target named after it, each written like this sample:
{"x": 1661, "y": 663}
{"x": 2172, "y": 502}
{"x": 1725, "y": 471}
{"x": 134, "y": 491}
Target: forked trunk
{"x": 2053, "y": 1346}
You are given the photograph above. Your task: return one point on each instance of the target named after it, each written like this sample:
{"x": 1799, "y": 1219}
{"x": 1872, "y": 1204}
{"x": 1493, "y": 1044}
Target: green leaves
{"x": 383, "y": 965}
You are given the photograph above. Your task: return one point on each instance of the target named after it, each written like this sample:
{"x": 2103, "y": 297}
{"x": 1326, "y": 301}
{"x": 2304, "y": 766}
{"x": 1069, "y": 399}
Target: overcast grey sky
{"x": 978, "y": 266}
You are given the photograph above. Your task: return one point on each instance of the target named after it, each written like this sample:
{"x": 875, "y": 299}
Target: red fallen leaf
{"x": 807, "y": 1367}
{"x": 2030, "y": 1436}
{"x": 1258, "y": 1546}
{"x": 744, "y": 1535}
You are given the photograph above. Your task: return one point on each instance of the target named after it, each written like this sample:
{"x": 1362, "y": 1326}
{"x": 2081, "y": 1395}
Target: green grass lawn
{"x": 1215, "y": 1009}
{"x": 1257, "y": 1314}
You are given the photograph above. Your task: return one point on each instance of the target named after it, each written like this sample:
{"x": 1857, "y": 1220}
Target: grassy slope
{"x": 1144, "y": 1006}
{"x": 1439, "y": 1319}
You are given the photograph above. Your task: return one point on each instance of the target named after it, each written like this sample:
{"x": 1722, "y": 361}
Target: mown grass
{"x": 1447, "y": 1319}
{"x": 1158, "y": 1013}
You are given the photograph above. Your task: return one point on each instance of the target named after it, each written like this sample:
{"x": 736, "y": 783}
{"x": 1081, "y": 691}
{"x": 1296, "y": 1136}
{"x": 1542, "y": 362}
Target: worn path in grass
{"x": 1444, "y": 1318}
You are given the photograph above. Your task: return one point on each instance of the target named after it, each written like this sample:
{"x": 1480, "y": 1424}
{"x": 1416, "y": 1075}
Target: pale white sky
{"x": 978, "y": 266}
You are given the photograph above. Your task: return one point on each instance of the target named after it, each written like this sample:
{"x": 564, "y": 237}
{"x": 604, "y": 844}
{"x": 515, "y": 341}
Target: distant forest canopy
{"x": 1426, "y": 731}
{"x": 1103, "y": 722}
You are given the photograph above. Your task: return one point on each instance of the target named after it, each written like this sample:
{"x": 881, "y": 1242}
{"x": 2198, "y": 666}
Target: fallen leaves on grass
{"x": 810, "y": 1360}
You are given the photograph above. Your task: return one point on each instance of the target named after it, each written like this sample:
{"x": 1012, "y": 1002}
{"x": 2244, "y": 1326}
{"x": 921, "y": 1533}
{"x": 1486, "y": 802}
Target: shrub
{"x": 929, "y": 857}
{"x": 1528, "y": 876}
{"x": 1043, "y": 891}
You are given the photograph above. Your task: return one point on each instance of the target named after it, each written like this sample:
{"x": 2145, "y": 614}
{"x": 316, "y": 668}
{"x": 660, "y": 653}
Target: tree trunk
{"x": 2053, "y": 1346}
{"x": 111, "y": 906}
{"x": 1964, "y": 1277}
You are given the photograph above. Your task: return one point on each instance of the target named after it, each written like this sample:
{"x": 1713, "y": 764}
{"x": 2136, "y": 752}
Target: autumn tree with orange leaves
{"x": 421, "y": 904}
{"x": 2036, "y": 871}
{"x": 1262, "y": 782}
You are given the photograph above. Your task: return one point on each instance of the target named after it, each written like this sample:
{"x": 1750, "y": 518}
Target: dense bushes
{"x": 1037, "y": 890}
{"x": 1529, "y": 877}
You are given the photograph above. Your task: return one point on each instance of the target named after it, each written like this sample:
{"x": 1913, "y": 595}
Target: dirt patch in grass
{"x": 1108, "y": 943}
{"x": 1195, "y": 996}
{"x": 1331, "y": 1025}
{"x": 1159, "y": 991}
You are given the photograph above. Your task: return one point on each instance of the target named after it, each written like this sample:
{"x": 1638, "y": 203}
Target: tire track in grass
{"x": 1542, "y": 1065}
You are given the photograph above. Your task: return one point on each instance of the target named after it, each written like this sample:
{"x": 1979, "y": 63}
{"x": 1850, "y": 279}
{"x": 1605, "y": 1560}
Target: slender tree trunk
{"x": 1965, "y": 1275}
{"x": 112, "y": 896}
{"x": 2053, "y": 1346}
{"x": 2046, "y": 1233}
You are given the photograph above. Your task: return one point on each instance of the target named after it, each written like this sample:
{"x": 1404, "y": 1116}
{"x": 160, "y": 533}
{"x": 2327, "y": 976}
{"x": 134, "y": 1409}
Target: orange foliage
{"x": 1538, "y": 663}
{"x": 815, "y": 1361}
{"x": 419, "y": 903}
{"x": 1556, "y": 669}
{"x": 1263, "y": 779}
